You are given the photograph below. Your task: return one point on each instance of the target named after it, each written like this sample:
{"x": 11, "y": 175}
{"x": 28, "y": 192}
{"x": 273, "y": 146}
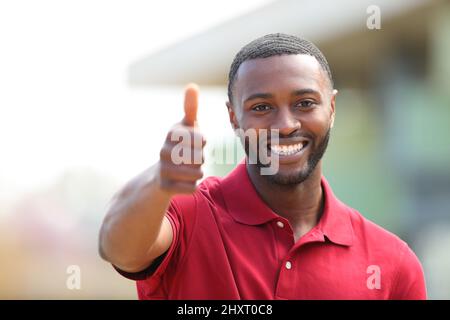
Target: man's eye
{"x": 306, "y": 104}
{"x": 261, "y": 107}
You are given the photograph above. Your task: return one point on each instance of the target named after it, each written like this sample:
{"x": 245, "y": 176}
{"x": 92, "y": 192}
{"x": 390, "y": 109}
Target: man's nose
{"x": 286, "y": 122}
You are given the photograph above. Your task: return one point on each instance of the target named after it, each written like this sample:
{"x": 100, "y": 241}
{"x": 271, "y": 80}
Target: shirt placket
{"x": 288, "y": 250}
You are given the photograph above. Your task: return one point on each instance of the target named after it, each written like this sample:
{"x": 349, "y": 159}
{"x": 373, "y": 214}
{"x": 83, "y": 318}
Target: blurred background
{"x": 88, "y": 90}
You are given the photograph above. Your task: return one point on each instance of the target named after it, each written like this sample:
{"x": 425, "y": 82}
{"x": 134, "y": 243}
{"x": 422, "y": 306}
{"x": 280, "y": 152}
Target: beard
{"x": 299, "y": 176}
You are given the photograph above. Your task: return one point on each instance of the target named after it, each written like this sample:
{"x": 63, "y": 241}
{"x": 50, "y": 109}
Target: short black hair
{"x": 275, "y": 44}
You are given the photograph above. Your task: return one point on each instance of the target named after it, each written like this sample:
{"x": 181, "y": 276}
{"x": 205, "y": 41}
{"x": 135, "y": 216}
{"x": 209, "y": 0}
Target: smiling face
{"x": 290, "y": 93}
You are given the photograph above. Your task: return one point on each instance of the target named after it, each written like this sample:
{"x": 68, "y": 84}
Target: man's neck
{"x": 301, "y": 204}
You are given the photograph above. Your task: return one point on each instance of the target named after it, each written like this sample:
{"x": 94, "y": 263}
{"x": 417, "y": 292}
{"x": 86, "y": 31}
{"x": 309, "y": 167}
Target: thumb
{"x": 190, "y": 104}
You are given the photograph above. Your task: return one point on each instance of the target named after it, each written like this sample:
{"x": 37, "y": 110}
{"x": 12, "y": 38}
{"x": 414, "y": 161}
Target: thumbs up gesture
{"x": 190, "y": 105}
{"x": 181, "y": 156}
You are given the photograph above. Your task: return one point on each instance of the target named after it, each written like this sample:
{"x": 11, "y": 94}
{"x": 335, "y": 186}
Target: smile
{"x": 287, "y": 150}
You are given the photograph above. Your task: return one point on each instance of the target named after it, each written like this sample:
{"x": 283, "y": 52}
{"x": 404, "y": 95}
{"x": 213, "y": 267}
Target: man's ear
{"x": 333, "y": 106}
{"x": 232, "y": 116}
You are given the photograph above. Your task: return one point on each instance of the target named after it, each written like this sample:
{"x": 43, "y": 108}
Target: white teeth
{"x": 286, "y": 150}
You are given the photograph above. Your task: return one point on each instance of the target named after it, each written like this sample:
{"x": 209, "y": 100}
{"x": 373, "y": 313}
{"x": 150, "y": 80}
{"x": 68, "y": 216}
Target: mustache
{"x": 291, "y": 138}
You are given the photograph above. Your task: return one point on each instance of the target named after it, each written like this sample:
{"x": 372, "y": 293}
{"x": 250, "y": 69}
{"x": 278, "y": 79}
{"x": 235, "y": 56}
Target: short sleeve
{"x": 159, "y": 264}
{"x": 180, "y": 207}
{"x": 409, "y": 283}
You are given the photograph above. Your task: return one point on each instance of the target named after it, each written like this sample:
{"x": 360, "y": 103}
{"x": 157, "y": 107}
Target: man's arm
{"x": 135, "y": 230}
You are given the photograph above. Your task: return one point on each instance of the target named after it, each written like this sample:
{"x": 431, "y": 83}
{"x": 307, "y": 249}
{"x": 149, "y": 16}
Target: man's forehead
{"x": 302, "y": 69}
{"x": 283, "y": 58}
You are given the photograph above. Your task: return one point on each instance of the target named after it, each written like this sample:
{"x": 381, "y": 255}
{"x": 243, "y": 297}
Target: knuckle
{"x": 199, "y": 175}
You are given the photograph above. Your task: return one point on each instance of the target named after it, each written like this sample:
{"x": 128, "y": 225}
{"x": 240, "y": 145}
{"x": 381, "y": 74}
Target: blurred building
{"x": 389, "y": 156}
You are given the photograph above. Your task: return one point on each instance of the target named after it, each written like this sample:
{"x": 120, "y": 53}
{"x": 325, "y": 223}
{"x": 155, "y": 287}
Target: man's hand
{"x": 181, "y": 156}
{"x": 135, "y": 230}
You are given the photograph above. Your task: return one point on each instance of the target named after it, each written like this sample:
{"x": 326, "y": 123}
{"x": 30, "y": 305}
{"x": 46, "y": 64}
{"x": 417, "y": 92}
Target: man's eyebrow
{"x": 258, "y": 96}
{"x": 301, "y": 92}
{"x": 268, "y": 95}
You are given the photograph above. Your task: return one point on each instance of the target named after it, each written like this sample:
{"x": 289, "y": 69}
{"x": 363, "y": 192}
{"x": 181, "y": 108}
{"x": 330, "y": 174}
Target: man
{"x": 251, "y": 235}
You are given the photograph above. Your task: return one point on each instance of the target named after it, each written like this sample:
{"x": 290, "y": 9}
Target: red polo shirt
{"x": 228, "y": 244}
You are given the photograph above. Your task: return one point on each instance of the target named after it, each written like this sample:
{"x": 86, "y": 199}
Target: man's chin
{"x": 288, "y": 177}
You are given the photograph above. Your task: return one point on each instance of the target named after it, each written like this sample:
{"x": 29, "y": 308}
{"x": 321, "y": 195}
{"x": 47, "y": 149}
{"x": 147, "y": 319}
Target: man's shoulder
{"x": 210, "y": 183}
{"x": 375, "y": 236}
{"x": 206, "y": 190}
{"x": 392, "y": 253}
{"x": 209, "y": 188}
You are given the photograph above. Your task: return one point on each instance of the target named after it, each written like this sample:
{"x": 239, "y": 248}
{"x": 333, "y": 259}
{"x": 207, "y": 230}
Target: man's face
{"x": 290, "y": 93}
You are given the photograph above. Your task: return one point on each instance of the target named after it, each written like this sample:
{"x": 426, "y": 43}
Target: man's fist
{"x": 181, "y": 156}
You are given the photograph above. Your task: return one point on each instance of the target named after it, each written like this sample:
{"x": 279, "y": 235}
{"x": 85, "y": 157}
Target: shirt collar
{"x": 246, "y": 207}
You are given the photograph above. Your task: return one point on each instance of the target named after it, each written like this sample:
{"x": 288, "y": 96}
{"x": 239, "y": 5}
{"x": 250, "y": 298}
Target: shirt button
{"x": 288, "y": 265}
{"x": 280, "y": 224}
